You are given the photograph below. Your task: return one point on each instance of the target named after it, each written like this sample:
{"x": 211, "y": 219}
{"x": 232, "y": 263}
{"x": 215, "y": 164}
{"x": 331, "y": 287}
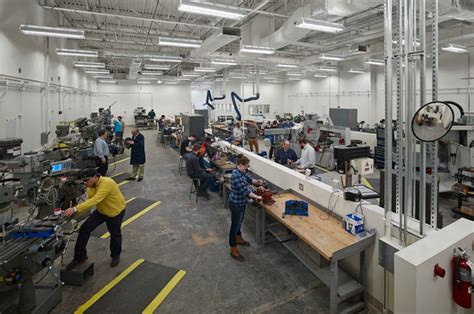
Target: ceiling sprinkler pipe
{"x": 234, "y": 96}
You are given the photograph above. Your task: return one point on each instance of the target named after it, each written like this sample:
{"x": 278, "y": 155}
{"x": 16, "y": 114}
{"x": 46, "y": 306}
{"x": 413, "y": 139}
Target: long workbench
{"x": 320, "y": 243}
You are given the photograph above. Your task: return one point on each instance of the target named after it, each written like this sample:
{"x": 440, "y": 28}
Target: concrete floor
{"x": 193, "y": 237}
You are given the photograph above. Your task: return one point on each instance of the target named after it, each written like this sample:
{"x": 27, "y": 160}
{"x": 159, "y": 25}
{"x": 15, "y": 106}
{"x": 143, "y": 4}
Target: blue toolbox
{"x": 298, "y": 208}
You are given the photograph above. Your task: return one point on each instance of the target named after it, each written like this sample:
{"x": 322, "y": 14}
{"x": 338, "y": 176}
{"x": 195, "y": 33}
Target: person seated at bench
{"x": 186, "y": 146}
{"x": 285, "y": 155}
{"x": 195, "y": 172}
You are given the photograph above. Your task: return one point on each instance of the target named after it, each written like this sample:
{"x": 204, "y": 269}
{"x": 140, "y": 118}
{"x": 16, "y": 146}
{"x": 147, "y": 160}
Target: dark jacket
{"x": 282, "y": 157}
{"x": 182, "y": 147}
{"x": 137, "y": 156}
{"x": 192, "y": 166}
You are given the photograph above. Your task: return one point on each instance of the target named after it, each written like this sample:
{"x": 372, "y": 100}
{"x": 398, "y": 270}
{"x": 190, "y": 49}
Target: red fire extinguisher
{"x": 462, "y": 278}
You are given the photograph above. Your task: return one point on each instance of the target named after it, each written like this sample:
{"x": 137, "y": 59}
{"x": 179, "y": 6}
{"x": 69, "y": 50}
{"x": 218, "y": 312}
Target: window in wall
{"x": 258, "y": 109}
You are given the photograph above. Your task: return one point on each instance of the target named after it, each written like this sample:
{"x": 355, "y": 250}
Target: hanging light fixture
{"x": 204, "y": 69}
{"x": 84, "y": 64}
{"x": 287, "y": 65}
{"x": 166, "y": 59}
{"x": 319, "y": 25}
{"x": 77, "y": 53}
{"x": 62, "y": 32}
{"x": 179, "y": 42}
{"x": 455, "y": 48}
{"x": 357, "y": 71}
{"x": 257, "y": 49}
{"x": 331, "y": 57}
{"x": 156, "y": 67}
{"x": 211, "y": 9}
{"x": 375, "y": 62}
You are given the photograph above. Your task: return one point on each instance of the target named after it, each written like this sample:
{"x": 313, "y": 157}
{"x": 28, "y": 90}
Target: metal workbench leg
{"x": 258, "y": 225}
{"x": 263, "y": 226}
{"x": 363, "y": 275}
{"x": 333, "y": 288}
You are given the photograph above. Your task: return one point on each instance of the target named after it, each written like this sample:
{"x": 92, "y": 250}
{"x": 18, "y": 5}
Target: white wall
{"x": 164, "y": 99}
{"x": 417, "y": 290}
{"x": 27, "y": 109}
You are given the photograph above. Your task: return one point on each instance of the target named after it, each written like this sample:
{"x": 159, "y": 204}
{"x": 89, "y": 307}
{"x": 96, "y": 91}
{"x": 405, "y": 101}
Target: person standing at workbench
{"x": 105, "y": 195}
{"x": 252, "y": 136}
{"x": 137, "y": 156}
{"x": 101, "y": 152}
{"x": 238, "y": 198}
{"x": 237, "y": 135}
{"x": 308, "y": 156}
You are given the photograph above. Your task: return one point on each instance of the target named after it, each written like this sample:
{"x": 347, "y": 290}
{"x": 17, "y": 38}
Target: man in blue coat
{"x": 137, "y": 156}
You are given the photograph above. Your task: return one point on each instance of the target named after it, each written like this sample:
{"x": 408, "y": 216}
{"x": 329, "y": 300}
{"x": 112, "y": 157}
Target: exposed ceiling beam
{"x": 124, "y": 16}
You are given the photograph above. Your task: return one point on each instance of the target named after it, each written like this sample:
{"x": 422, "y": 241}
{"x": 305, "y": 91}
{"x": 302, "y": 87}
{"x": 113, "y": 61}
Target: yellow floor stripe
{"x": 367, "y": 183}
{"x": 119, "y": 161}
{"x": 109, "y": 286}
{"x": 164, "y": 292}
{"x": 134, "y": 217}
{"x": 122, "y": 183}
{"x": 117, "y": 174}
{"x": 129, "y": 200}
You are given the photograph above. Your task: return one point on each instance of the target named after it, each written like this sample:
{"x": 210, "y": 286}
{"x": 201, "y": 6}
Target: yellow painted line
{"x": 134, "y": 217}
{"x": 117, "y": 162}
{"x": 109, "y": 286}
{"x": 367, "y": 183}
{"x": 116, "y": 175}
{"x": 164, "y": 292}
{"x": 122, "y": 183}
{"x": 129, "y": 200}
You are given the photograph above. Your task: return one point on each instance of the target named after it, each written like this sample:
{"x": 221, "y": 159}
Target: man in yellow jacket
{"x": 105, "y": 195}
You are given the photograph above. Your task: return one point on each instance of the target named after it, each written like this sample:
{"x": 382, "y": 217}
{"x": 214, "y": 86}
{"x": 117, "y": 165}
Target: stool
{"x": 180, "y": 164}
{"x": 194, "y": 189}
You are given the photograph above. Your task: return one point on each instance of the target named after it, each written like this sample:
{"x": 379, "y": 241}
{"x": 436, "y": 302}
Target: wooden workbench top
{"x": 325, "y": 235}
{"x": 223, "y": 164}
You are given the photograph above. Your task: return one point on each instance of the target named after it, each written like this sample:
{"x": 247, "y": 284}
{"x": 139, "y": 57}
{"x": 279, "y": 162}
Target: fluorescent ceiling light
{"x": 156, "y": 67}
{"x": 83, "y": 64}
{"x": 287, "y": 65}
{"x": 275, "y": 81}
{"x": 166, "y": 59}
{"x": 375, "y": 62}
{"x": 319, "y": 25}
{"x": 320, "y": 75}
{"x": 328, "y": 69}
{"x": 331, "y": 57}
{"x": 210, "y": 9}
{"x": 238, "y": 77}
{"x": 97, "y": 71}
{"x": 455, "y": 48}
{"x": 77, "y": 53}
{"x": 108, "y": 81}
{"x": 179, "y": 42}
{"x": 418, "y": 44}
{"x": 204, "y": 69}
{"x": 270, "y": 77}
{"x": 294, "y": 74}
{"x": 224, "y": 62}
{"x": 103, "y": 76}
{"x": 62, "y": 32}
{"x": 357, "y": 71}
{"x": 159, "y": 82}
{"x": 151, "y": 73}
{"x": 190, "y": 75}
{"x": 257, "y": 49}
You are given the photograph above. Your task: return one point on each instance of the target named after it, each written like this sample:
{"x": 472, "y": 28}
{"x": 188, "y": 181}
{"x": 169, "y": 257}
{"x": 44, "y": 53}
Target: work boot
{"x": 130, "y": 179}
{"x": 114, "y": 262}
{"x": 140, "y": 179}
{"x": 234, "y": 252}
{"x": 76, "y": 262}
{"x": 241, "y": 241}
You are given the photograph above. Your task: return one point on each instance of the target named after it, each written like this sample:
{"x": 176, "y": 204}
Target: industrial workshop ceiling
{"x": 205, "y": 41}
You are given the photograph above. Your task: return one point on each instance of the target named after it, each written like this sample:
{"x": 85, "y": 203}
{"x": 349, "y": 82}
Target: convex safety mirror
{"x": 432, "y": 121}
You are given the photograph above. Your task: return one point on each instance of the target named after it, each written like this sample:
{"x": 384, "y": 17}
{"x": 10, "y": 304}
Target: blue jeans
{"x": 237, "y": 216}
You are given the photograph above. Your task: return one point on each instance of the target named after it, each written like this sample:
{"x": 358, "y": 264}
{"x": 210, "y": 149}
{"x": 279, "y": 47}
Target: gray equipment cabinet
{"x": 205, "y": 113}
{"x": 193, "y": 124}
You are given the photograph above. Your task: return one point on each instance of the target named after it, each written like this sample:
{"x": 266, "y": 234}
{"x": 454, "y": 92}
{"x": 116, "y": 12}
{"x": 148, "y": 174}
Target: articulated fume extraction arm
{"x": 234, "y": 96}
{"x": 210, "y": 99}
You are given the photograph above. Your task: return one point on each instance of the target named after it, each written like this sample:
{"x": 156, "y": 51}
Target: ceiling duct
{"x": 347, "y": 7}
{"x": 134, "y": 68}
{"x": 216, "y": 41}
{"x": 456, "y": 9}
{"x": 289, "y": 33}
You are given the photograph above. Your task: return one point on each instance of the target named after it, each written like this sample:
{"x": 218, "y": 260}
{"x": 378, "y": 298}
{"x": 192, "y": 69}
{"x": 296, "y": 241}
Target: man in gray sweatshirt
{"x": 252, "y": 136}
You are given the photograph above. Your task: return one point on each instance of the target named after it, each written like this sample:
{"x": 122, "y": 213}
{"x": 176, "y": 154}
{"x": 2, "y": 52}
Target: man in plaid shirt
{"x": 238, "y": 198}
